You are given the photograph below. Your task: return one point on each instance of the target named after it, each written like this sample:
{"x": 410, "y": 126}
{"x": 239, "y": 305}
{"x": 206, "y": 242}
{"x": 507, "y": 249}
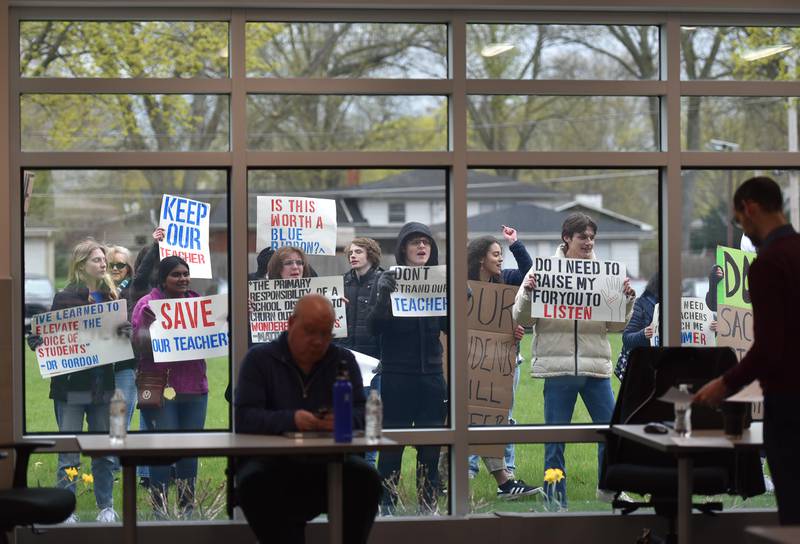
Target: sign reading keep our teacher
{"x": 185, "y": 223}
{"x": 81, "y": 337}
{"x": 578, "y": 289}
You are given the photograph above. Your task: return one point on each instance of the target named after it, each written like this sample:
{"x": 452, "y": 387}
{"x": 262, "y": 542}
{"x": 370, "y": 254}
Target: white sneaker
{"x": 606, "y": 495}
{"x": 107, "y": 515}
{"x": 73, "y": 518}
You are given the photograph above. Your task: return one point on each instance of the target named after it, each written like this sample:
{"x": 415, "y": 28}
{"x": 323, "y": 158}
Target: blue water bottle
{"x": 342, "y": 406}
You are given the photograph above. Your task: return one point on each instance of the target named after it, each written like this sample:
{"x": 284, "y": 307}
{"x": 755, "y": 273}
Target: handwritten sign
{"x": 272, "y": 303}
{"x": 421, "y": 291}
{"x": 185, "y": 223}
{"x": 81, "y": 337}
{"x": 735, "y": 330}
{"x": 192, "y": 328}
{"x": 696, "y": 321}
{"x": 491, "y": 356}
{"x": 307, "y": 223}
{"x": 578, "y": 289}
{"x": 734, "y": 289}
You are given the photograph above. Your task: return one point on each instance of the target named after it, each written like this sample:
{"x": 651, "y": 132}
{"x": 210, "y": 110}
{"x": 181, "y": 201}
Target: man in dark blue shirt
{"x": 287, "y": 385}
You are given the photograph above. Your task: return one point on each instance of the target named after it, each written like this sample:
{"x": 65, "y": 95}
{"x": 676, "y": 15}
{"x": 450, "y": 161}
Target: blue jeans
{"x": 183, "y": 413}
{"x": 125, "y": 381}
{"x": 560, "y": 395}
{"x": 70, "y": 420}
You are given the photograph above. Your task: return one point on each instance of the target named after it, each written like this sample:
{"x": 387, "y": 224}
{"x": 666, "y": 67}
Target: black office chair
{"x": 22, "y": 505}
{"x": 628, "y": 466}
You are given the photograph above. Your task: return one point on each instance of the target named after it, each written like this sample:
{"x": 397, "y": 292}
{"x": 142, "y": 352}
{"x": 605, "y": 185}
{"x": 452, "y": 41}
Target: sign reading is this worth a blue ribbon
{"x": 272, "y": 303}
{"x": 185, "y": 223}
{"x": 81, "y": 337}
{"x": 189, "y": 328}
{"x": 307, "y": 223}
{"x": 578, "y": 289}
{"x": 421, "y": 291}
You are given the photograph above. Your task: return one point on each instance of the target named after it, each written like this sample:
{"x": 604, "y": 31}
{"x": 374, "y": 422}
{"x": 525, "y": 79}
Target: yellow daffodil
{"x": 87, "y": 478}
{"x": 559, "y": 474}
{"x": 553, "y": 475}
{"x": 71, "y": 472}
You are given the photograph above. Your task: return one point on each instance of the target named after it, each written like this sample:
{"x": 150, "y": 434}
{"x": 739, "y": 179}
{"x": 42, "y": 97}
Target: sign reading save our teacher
{"x": 578, "y": 289}
{"x": 81, "y": 337}
{"x": 189, "y": 328}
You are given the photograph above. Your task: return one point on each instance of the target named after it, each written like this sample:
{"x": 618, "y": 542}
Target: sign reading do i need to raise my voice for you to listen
{"x": 81, "y": 337}
{"x": 305, "y": 223}
{"x": 191, "y": 328}
{"x": 185, "y": 223}
{"x": 578, "y": 289}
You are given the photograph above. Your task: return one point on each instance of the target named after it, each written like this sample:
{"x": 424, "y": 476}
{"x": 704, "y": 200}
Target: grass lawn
{"x": 581, "y": 459}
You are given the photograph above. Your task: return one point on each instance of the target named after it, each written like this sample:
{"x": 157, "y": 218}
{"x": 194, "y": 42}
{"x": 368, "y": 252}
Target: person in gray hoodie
{"x": 413, "y": 387}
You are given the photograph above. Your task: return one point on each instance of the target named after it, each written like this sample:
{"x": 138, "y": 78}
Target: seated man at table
{"x": 286, "y": 386}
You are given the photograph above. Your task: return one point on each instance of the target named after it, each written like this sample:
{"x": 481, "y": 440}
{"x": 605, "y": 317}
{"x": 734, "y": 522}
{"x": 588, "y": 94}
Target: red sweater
{"x": 774, "y": 358}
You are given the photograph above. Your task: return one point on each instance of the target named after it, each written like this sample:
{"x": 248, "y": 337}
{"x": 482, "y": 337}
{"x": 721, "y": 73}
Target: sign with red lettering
{"x": 696, "y": 321}
{"x": 185, "y": 223}
{"x": 578, "y": 289}
{"x": 307, "y": 223}
{"x": 81, "y": 337}
{"x": 272, "y": 303}
{"x": 189, "y": 328}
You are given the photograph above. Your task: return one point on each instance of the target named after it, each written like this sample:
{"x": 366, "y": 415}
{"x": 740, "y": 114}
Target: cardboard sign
{"x": 307, "y": 223}
{"x": 421, "y": 291}
{"x": 735, "y": 330}
{"x": 696, "y": 321}
{"x": 81, "y": 337}
{"x": 734, "y": 289}
{"x": 185, "y": 223}
{"x": 578, "y": 289}
{"x": 491, "y": 356}
{"x": 272, "y": 303}
{"x": 187, "y": 329}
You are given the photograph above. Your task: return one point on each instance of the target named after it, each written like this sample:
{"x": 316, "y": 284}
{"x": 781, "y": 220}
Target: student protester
{"x": 282, "y": 385}
{"x": 772, "y": 359}
{"x": 364, "y": 257}
{"x": 485, "y": 263}
{"x": 412, "y": 380}
{"x": 573, "y": 357}
{"x": 186, "y": 411}
{"x": 639, "y": 329}
{"x": 119, "y": 262}
{"x": 85, "y": 394}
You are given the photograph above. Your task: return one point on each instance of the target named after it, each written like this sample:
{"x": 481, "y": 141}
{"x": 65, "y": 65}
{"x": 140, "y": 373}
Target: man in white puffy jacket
{"x": 573, "y": 357}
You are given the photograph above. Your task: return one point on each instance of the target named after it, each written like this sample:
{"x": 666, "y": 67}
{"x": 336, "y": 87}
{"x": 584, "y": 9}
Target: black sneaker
{"x": 515, "y": 489}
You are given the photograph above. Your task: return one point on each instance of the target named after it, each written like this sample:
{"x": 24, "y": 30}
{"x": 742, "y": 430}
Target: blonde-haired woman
{"x": 121, "y": 270}
{"x": 84, "y": 395}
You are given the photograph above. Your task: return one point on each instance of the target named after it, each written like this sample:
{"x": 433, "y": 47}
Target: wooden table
{"x": 139, "y": 447}
{"x": 683, "y": 448}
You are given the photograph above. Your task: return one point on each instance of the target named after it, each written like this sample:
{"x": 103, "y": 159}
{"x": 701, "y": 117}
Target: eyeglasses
{"x": 420, "y": 242}
{"x": 290, "y": 262}
{"x": 118, "y": 266}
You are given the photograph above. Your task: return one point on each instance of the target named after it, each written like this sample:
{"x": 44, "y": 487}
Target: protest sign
{"x": 421, "y": 291}
{"x": 491, "y": 356}
{"x": 735, "y": 330}
{"x": 185, "y": 223}
{"x": 578, "y": 289}
{"x": 81, "y": 337}
{"x": 306, "y": 223}
{"x": 192, "y": 328}
{"x": 696, "y": 321}
{"x": 734, "y": 289}
{"x": 272, "y": 303}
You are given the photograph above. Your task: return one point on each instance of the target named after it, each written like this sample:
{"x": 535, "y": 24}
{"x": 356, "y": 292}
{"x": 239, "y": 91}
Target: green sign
{"x": 734, "y": 289}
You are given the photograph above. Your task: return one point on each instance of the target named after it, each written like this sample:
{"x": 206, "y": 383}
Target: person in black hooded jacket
{"x": 412, "y": 385}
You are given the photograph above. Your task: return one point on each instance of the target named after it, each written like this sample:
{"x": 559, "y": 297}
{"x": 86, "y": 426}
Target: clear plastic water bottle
{"x": 683, "y": 414}
{"x": 117, "y": 418}
{"x": 342, "y": 406}
{"x": 374, "y": 417}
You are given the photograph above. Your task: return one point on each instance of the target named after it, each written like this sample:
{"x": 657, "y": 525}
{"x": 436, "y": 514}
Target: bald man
{"x": 287, "y": 385}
